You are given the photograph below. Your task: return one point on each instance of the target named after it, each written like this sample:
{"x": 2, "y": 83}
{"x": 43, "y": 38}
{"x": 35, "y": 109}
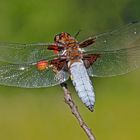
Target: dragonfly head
{"x": 65, "y": 39}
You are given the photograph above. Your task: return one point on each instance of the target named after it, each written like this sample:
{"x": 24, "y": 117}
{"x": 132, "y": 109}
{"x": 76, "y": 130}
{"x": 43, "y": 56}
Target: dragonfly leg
{"x": 64, "y": 85}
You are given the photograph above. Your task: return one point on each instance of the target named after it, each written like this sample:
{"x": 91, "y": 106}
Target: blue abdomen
{"x": 82, "y": 83}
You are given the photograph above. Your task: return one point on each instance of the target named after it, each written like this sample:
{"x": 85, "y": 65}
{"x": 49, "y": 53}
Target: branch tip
{"x": 75, "y": 112}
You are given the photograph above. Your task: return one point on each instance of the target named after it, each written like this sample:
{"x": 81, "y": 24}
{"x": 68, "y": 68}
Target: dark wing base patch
{"x": 90, "y": 59}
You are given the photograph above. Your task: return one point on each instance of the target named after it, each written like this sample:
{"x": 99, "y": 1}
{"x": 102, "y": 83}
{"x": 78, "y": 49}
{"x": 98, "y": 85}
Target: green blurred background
{"x": 41, "y": 114}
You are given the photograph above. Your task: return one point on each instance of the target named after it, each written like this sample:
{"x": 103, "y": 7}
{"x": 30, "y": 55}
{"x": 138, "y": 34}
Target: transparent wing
{"x": 111, "y": 63}
{"x": 28, "y": 76}
{"x": 25, "y": 53}
{"x": 121, "y": 38}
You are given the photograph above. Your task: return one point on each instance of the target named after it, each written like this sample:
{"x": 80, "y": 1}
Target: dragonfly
{"x": 48, "y": 64}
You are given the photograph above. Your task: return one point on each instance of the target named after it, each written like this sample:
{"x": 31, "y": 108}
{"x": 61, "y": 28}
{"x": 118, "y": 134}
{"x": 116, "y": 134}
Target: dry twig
{"x": 75, "y": 112}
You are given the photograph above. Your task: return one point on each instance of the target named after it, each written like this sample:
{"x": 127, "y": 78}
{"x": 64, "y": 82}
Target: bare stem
{"x": 75, "y": 112}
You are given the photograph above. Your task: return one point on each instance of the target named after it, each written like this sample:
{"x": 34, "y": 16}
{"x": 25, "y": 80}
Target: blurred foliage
{"x": 33, "y": 114}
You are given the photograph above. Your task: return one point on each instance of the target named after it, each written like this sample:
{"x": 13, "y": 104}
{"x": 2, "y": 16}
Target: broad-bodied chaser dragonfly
{"x": 48, "y": 64}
